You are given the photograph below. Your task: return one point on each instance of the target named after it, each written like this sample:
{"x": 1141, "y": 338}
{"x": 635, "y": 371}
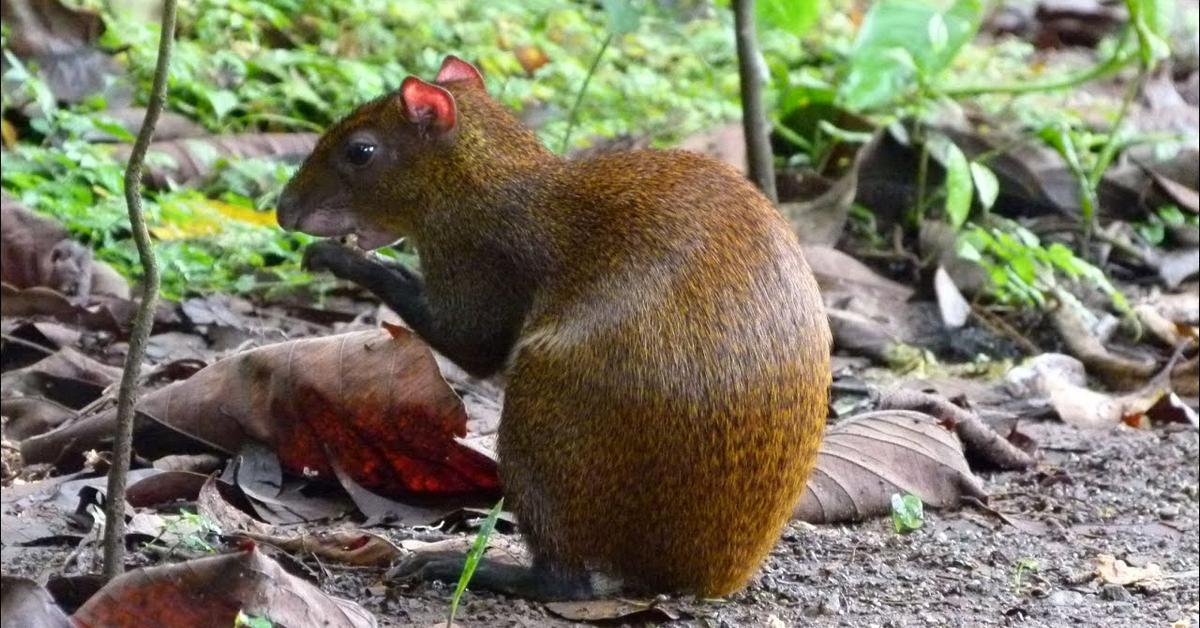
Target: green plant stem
{"x": 1110, "y": 66}
{"x": 918, "y": 213}
{"x": 573, "y": 117}
{"x": 114, "y": 509}
{"x": 1113, "y": 143}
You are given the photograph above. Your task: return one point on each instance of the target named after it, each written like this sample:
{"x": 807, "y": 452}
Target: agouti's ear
{"x": 455, "y": 69}
{"x": 427, "y": 105}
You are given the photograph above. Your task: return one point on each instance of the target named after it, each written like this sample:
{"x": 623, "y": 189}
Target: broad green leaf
{"x": 938, "y": 35}
{"x": 959, "y": 189}
{"x": 878, "y": 74}
{"x": 794, "y": 16}
{"x": 623, "y": 16}
{"x": 986, "y": 185}
{"x": 222, "y": 102}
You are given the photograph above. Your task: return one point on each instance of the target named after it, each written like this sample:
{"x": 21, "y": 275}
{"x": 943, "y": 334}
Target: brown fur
{"x": 665, "y": 343}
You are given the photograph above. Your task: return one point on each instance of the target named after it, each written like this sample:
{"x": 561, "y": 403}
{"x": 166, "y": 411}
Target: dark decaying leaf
{"x": 30, "y": 416}
{"x": 866, "y": 458}
{"x": 66, "y": 377}
{"x": 229, "y": 507}
{"x": 190, "y": 161}
{"x": 373, "y": 402}
{"x": 37, "y": 251}
{"x": 1121, "y": 372}
{"x": 61, "y": 40}
{"x": 282, "y": 500}
{"x": 25, "y": 603}
{"x": 211, "y": 591}
{"x": 821, "y": 219}
{"x": 171, "y": 125}
{"x": 870, "y": 315}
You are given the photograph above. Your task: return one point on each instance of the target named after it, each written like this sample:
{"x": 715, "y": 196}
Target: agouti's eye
{"x": 360, "y": 153}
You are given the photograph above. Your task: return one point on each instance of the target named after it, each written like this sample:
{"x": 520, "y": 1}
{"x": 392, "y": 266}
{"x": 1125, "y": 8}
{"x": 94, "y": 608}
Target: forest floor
{"x": 1129, "y": 494}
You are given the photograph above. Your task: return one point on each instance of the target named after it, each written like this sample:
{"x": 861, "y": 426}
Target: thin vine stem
{"x": 574, "y": 116}
{"x": 114, "y": 509}
{"x": 1111, "y": 66}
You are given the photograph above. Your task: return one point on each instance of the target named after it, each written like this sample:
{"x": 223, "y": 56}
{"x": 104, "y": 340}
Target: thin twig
{"x": 114, "y": 509}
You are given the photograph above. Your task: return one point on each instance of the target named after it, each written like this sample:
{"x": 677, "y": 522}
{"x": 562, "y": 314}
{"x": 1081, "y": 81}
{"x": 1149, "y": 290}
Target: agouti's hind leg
{"x": 536, "y": 583}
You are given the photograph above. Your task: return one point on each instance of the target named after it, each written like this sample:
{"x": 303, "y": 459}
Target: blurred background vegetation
{"x": 924, "y": 75}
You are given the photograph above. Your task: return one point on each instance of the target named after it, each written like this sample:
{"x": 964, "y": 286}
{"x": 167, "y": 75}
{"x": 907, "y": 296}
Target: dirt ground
{"x": 1128, "y": 493}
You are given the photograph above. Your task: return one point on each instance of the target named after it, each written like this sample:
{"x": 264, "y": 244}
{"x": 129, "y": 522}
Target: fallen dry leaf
{"x": 350, "y": 547}
{"x": 622, "y": 610}
{"x": 211, "y": 591}
{"x": 373, "y": 401}
{"x": 866, "y": 458}
{"x": 61, "y": 41}
{"x": 37, "y": 251}
{"x": 25, "y": 603}
{"x": 1113, "y": 571}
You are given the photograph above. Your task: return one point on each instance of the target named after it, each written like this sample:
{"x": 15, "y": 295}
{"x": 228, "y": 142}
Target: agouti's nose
{"x": 287, "y": 210}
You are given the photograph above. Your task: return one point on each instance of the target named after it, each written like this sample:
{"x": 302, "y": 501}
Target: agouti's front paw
{"x": 328, "y": 255}
{"x": 429, "y": 567}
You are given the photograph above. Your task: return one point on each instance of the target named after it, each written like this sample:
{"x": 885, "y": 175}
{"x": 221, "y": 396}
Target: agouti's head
{"x": 374, "y": 172}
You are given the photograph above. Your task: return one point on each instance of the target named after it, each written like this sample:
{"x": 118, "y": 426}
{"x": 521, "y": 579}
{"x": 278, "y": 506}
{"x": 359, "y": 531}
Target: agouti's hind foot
{"x": 508, "y": 579}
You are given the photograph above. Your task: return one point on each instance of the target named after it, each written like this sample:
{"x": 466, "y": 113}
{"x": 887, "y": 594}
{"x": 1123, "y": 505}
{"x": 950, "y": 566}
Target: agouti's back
{"x": 667, "y": 394}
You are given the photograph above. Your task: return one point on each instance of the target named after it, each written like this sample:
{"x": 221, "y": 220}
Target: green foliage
{"x": 1023, "y": 566}
{"x": 473, "y": 556}
{"x": 301, "y": 64}
{"x": 908, "y": 513}
{"x": 1154, "y": 228}
{"x": 201, "y": 248}
{"x": 959, "y": 186}
{"x": 251, "y": 621}
{"x": 298, "y": 65}
{"x": 1023, "y": 271}
{"x": 902, "y": 46}
{"x": 792, "y": 16}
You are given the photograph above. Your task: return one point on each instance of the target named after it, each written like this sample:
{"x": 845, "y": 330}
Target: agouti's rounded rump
{"x": 665, "y": 344}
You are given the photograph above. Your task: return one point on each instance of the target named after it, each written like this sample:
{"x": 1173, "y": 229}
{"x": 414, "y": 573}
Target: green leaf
{"x": 623, "y": 16}
{"x": 222, "y": 102}
{"x": 473, "y": 556}
{"x": 958, "y": 178}
{"x": 908, "y": 513}
{"x": 251, "y": 621}
{"x": 1152, "y": 231}
{"x": 895, "y": 31}
{"x": 1171, "y": 215}
{"x": 939, "y": 36}
{"x": 987, "y": 187}
{"x": 793, "y": 16}
{"x": 1152, "y": 20}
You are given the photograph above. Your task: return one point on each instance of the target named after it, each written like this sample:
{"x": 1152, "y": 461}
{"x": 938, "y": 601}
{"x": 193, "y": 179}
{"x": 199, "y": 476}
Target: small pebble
{"x": 1064, "y": 598}
{"x": 1114, "y": 593}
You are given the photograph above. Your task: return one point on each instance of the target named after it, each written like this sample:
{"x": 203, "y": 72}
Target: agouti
{"x": 665, "y": 346}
